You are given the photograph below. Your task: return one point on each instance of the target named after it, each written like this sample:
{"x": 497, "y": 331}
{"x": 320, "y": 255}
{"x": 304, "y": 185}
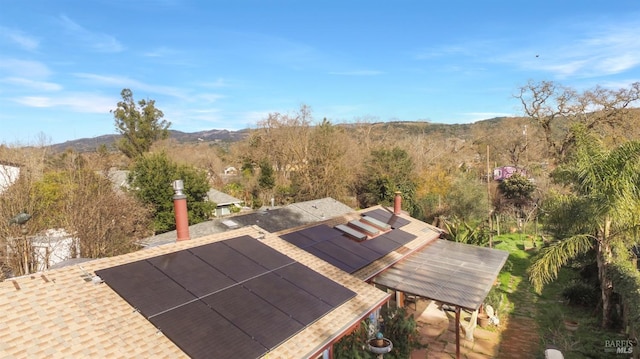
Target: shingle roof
{"x": 272, "y": 220}
{"x": 221, "y": 198}
{"x": 61, "y": 313}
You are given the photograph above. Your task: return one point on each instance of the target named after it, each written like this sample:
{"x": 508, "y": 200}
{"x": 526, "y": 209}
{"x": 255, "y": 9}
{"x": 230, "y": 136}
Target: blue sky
{"x": 227, "y": 64}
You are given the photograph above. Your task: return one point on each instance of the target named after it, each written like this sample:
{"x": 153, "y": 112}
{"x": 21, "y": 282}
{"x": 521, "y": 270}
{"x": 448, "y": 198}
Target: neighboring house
{"x": 118, "y": 178}
{"x": 250, "y": 292}
{"x": 504, "y": 172}
{"x": 224, "y": 202}
{"x": 9, "y": 173}
{"x": 53, "y": 247}
{"x": 272, "y": 220}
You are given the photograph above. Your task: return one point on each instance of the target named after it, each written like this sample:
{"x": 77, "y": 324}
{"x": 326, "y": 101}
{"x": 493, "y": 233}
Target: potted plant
{"x": 571, "y": 325}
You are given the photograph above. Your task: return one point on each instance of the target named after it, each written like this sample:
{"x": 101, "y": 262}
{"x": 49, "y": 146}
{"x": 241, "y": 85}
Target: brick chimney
{"x": 397, "y": 203}
{"x": 180, "y": 209}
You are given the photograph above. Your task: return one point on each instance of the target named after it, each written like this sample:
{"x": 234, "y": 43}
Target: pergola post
{"x": 457, "y": 332}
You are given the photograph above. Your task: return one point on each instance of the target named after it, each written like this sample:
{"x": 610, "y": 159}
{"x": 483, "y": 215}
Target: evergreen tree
{"x": 152, "y": 177}
{"x": 139, "y": 124}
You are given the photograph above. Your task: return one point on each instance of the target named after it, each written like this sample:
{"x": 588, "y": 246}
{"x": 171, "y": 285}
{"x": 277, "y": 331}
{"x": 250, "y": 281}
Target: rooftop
{"x": 71, "y": 312}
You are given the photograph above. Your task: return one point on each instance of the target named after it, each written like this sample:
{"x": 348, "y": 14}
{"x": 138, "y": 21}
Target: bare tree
{"x": 555, "y": 108}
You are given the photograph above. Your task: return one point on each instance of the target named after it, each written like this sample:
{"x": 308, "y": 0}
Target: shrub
{"x": 581, "y": 293}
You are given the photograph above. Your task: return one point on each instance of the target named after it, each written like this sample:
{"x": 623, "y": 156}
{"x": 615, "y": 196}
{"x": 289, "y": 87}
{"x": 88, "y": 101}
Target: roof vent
{"x": 231, "y": 224}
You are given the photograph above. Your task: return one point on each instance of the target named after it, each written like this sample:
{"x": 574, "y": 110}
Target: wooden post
{"x": 457, "y": 332}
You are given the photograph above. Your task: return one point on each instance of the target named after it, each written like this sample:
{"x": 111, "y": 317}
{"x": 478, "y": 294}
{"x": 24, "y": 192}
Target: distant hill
{"x": 91, "y": 144}
{"x": 500, "y": 131}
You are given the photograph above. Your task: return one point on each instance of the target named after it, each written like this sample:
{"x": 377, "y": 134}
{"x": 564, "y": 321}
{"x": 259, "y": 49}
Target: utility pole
{"x": 489, "y": 200}
{"x": 526, "y": 151}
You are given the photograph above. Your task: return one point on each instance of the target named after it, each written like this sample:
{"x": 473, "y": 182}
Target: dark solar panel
{"x": 399, "y": 236}
{"x": 191, "y": 272}
{"x": 203, "y": 333}
{"x": 320, "y": 232}
{"x": 342, "y": 255}
{"x": 354, "y": 247}
{"x": 381, "y": 245}
{"x": 145, "y": 287}
{"x": 387, "y": 217}
{"x": 228, "y": 261}
{"x": 329, "y": 259}
{"x": 227, "y": 319}
{"x": 316, "y": 284}
{"x": 284, "y": 295}
{"x": 254, "y": 316}
{"x": 260, "y": 253}
{"x": 298, "y": 240}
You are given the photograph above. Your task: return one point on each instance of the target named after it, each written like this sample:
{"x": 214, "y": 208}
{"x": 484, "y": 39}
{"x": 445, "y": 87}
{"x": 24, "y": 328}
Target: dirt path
{"x": 521, "y": 339}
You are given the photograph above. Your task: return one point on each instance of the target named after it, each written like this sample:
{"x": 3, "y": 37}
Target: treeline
{"x": 443, "y": 172}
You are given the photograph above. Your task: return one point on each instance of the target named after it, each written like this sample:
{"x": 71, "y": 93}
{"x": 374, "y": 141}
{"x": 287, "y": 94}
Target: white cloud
{"x": 19, "y": 38}
{"x": 97, "y": 41}
{"x": 134, "y": 85}
{"x": 75, "y": 102}
{"x": 209, "y": 97}
{"x": 601, "y": 49}
{"x": 32, "y": 84}
{"x": 158, "y": 52}
{"x": 24, "y": 68}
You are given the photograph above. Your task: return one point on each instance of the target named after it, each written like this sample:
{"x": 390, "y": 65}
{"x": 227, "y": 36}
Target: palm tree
{"x": 600, "y": 212}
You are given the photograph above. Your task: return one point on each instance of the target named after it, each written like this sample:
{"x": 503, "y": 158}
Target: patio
{"x": 437, "y": 329}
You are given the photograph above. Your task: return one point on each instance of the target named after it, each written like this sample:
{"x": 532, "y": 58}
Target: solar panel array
{"x": 387, "y": 217}
{"x": 237, "y": 298}
{"x": 333, "y": 246}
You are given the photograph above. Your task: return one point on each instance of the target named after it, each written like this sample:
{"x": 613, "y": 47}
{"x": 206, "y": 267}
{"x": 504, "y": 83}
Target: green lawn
{"x": 548, "y": 308}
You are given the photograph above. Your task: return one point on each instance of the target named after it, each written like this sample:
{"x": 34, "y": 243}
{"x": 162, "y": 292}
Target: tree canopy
{"x": 599, "y": 213}
{"x": 151, "y": 178}
{"x": 139, "y": 124}
{"x": 385, "y": 172}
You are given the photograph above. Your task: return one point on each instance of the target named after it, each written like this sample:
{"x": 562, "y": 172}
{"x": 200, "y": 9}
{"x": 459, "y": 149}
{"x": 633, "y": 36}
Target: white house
{"x": 52, "y": 247}
{"x": 9, "y": 173}
{"x": 224, "y": 202}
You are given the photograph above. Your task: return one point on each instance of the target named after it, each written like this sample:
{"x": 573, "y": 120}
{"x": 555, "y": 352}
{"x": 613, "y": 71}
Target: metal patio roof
{"x": 450, "y": 272}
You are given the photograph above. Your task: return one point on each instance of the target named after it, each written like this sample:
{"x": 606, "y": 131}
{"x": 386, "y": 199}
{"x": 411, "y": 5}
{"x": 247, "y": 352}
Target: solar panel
{"x": 260, "y": 253}
{"x": 316, "y": 284}
{"x": 292, "y": 300}
{"x": 237, "y": 298}
{"x": 399, "y": 236}
{"x": 357, "y": 248}
{"x": 203, "y": 333}
{"x": 229, "y": 261}
{"x": 253, "y": 315}
{"x": 145, "y": 287}
{"x": 298, "y": 240}
{"x": 320, "y": 232}
{"x": 387, "y": 217}
{"x": 329, "y": 259}
{"x": 353, "y": 260}
{"x": 191, "y": 272}
{"x": 382, "y": 245}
